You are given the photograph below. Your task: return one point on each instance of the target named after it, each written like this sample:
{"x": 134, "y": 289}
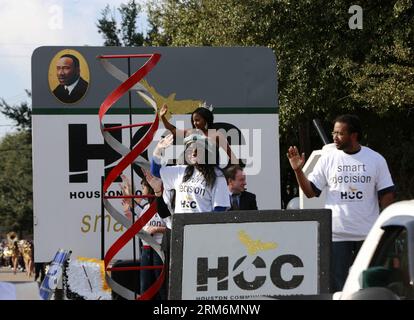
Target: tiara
{"x": 204, "y": 105}
{"x": 199, "y": 138}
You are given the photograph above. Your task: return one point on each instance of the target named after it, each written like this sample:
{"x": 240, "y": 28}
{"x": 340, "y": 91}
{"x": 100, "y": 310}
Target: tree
{"x": 107, "y": 26}
{"x": 16, "y": 194}
{"x": 324, "y": 67}
{"x": 21, "y": 114}
{"x": 127, "y": 34}
{"x": 16, "y": 204}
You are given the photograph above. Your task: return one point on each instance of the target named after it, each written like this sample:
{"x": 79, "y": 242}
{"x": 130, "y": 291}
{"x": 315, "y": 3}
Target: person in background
{"x": 165, "y": 206}
{"x": 40, "y": 271}
{"x": 26, "y": 250}
{"x": 13, "y": 241}
{"x": 156, "y": 227}
{"x": 240, "y": 199}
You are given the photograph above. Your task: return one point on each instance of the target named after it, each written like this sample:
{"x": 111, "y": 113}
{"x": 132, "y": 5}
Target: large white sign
{"x": 250, "y": 260}
{"x": 68, "y": 213}
{"x": 69, "y": 153}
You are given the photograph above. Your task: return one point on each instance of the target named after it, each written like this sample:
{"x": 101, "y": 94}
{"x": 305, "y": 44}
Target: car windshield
{"x": 390, "y": 265}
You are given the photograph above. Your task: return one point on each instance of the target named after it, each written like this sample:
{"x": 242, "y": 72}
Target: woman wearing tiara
{"x": 201, "y": 119}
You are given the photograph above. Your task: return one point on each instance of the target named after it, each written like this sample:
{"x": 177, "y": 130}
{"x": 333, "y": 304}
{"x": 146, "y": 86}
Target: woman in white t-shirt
{"x": 200, "y": 185}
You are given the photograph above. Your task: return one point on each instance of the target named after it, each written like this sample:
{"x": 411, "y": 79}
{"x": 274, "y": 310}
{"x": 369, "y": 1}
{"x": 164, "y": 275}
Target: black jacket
{"x": 247, "y": 201}
{"x": 76, "y": 94}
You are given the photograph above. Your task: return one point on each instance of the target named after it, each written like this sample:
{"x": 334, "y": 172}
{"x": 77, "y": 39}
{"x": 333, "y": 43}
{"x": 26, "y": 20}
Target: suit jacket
{"x": 247, "y": 201}
{"x": 76, "y": 94}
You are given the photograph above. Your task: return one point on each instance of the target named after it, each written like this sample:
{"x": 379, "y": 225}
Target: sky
{"x": 28, "y": 24}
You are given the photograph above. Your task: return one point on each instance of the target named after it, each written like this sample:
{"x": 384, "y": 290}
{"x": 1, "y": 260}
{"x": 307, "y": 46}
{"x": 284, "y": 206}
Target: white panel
{"x": 74, "y": 223}
{"x": 272, "y": 239}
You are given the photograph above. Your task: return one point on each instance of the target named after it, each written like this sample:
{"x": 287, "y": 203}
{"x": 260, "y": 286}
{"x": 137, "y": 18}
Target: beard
{"x": 343, "y": 145}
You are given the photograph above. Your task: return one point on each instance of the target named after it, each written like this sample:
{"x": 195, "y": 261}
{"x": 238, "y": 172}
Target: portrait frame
{"x": 52, "y": 77}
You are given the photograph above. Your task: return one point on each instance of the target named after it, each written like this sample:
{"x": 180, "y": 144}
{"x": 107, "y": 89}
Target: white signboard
{"x": 70, "y": 156}
{"x": 70, "y": 212}
{"x": 250, "y": 260}
{"x": 250, "y": 254}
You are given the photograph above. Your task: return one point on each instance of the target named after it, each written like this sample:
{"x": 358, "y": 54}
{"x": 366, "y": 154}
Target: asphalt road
{"x": 6, "y": 274}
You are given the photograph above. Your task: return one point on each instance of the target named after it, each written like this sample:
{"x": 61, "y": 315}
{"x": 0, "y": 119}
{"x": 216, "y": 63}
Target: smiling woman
{"x": 200, "y": 185}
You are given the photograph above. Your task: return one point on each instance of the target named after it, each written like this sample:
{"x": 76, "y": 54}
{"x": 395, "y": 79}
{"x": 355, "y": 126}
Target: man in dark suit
{"x": 240, "y": 199}
{"x": 71, "y": 86}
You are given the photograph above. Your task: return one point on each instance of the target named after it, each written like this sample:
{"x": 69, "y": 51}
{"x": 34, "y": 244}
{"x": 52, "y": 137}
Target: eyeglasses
{"x": 337, "y": 133}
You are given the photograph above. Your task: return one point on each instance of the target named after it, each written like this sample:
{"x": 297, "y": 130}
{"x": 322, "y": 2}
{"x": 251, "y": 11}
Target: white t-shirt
{"x": 167, "y": 196}
{"x": 156, "y": 221}
{"x": 193, "y": 195}
{"x": 353, "y": 182}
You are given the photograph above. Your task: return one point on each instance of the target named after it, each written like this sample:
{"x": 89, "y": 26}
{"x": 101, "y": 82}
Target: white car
{"x": 384, "y": 266}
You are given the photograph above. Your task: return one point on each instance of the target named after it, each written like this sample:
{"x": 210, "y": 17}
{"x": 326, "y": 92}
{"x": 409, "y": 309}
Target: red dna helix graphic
{"x": 129, "y": 157}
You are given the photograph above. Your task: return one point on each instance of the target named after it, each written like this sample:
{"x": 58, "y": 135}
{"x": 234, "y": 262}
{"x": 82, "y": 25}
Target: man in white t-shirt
{"x": 358, "y": 182}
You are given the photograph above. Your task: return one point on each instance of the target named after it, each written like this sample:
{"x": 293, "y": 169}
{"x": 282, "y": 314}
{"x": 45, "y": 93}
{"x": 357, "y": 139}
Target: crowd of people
{"x": 357, "y": 180}
{"x": 18, "y": 255}
{"x": 197, "y": 184}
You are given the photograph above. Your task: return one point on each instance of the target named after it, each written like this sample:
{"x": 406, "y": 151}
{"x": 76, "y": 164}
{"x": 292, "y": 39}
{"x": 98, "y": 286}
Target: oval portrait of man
{"x": 68, "y": 76}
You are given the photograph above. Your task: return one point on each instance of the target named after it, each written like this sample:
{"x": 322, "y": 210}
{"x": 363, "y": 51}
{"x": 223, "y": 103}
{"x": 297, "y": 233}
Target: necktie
{"x": 235, "y": 202}
{"x": 66, "y": 91}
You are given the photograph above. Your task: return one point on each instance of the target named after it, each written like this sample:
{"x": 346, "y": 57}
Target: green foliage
{"x": 324, "y": 67}
{"x": 16, "y": 195}
{"x": 127, "y": 34}
{"x": 16, "y": 204}
{"x": 129, "y": 14}
{"x": 391, "y": 135}
{"x": 384, "y": 81}
{"x": 107, "y": 26}
{"x": 21, "y": 114}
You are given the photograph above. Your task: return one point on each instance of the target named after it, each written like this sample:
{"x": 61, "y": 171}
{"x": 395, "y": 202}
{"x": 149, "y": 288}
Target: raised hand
{"x": 125, "y": 186}
{"x": 150, "y": 229}
{"x": 126, "y": 205}
{"x": 163, "y": 110}
{"x": 296, "y": 160}
{"x": 165, "y": 142}
{"x": 154, "y": 182}
{"x": 162, "y": 144}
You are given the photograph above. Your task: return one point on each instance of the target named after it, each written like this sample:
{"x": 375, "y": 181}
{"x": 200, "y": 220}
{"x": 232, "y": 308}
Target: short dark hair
{"x": 231, "y": 171}
{"x": 353, "y": 123}
{"x": 145, "y": 183}
{"x": 206, "y": 114}
{"x": 74, "y": 59}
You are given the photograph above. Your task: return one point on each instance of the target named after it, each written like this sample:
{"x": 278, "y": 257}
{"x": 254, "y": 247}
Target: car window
{"x": 389, "y": 267}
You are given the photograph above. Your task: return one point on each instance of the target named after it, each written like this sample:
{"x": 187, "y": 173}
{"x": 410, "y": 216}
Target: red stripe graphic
{"x": 129, "y": 158}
